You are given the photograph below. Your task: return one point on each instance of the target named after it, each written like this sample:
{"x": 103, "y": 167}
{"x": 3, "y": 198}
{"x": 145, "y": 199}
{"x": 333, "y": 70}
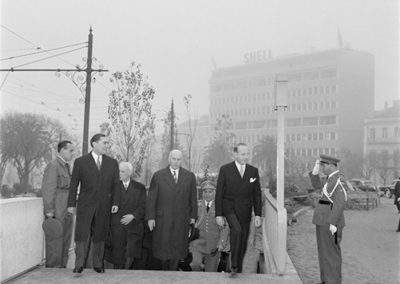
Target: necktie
{"x": 68, "y": 169}
{"x": 98, "y": 163}
{"x": 175, "y": 176}
{"x": 208, "y": 206}
{"x": 241, "y": 170}
{"x": 126, "y": 186}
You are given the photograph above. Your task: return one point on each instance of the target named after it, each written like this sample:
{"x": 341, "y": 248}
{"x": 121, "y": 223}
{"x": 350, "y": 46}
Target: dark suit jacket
{"x": 171, "y": 206}
{"x": 237, "y": 195}
{"x": 135, "y": 204}
{"x": 95, "y": 195}
{"x": 126, "y": 240}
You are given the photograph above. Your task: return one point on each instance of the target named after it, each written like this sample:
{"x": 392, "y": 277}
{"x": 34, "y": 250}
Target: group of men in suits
{"x": 111, "y": 206}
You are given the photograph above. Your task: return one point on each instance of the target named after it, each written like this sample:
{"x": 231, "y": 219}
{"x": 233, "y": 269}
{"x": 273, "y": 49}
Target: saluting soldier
{"x": 329, "y": 218}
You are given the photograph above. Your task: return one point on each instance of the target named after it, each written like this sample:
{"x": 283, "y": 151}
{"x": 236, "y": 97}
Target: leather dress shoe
{"x": 78, "y": 269}
{"x": 99, "y": 269}
{"x": 233, "y": 272}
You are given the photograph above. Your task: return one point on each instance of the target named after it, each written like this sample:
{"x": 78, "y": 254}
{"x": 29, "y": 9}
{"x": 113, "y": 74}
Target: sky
{"x": 176, "y": 42}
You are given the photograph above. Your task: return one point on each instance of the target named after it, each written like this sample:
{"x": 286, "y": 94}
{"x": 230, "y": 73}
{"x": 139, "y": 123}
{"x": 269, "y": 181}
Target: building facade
{"x": 329, "y": 94}
{"x": 382, "y": 143}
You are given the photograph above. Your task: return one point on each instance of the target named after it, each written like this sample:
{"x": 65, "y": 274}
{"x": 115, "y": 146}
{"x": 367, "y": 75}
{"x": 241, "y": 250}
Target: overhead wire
{"x": 42, "y": 51}
{"x": 55, "y": 55}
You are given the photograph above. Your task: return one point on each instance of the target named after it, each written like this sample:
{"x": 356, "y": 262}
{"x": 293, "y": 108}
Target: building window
{"x": 333, "y": 151}
{"x": 384, "y": 132}
{"x": 327, "y": 120}
{"x": 397, "y": 132}
{"x": 309, "y": 121}
{"x": 372, "y": 133}
{"x": 293, "y": 122}
{"x": 333, "y": 136}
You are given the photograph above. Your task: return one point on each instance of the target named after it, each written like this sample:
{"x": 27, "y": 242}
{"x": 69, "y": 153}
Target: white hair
{"x": 127, "y": 165}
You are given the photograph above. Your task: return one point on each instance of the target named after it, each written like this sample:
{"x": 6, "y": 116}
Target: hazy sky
{"x": 175, "y": 42}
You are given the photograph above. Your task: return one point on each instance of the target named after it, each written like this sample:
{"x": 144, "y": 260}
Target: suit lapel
{"x": 91, "y": 162}
{"x": 181, "y": 177}
{"x": 168, "y": 177}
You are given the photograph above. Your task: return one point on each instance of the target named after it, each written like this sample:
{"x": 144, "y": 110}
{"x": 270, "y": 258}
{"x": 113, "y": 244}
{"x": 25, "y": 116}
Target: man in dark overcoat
{"x": 171, "y": 206}
{"x": 329, "y": 218}
{"x": 397, "y": 201}
{"x": 127, "y": 221}
{"x": 238, "y": 194}
{"x": 97, "y": 176}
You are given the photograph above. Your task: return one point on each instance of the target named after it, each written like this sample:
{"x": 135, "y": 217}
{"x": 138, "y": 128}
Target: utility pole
{"x": 87, "y": 94}
{"x": 88, "y": 70}
{"x": 172, "y": 126}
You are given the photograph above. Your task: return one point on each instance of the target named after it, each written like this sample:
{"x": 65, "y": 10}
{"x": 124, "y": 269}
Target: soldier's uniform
{"x": 55, "y": 185}
{"x": 329, "y": 211}
{"x": 210, "y": 236}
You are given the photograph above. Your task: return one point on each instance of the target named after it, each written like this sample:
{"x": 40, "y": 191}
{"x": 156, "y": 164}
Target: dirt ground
{"x": 370, "y": 246}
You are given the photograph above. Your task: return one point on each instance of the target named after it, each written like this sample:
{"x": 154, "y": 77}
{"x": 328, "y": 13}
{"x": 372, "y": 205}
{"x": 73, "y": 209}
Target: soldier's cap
{"x": 328, "y": 160}
{"x": 208, "y": 184}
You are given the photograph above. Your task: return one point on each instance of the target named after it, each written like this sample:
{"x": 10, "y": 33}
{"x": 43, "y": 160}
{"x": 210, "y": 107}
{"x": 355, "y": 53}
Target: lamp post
{"x": 280, "y": 93}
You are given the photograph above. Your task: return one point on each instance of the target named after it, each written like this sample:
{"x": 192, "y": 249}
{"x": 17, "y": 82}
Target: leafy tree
{"x": 131, "y": 116}
{"x": 219, "y": 151}
{"x": 28, "y": 141}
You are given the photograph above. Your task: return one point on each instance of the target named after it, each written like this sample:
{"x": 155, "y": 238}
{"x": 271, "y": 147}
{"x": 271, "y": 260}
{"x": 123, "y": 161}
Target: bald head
{"x": 175, "y": 159}
{"x": 125, "y": 171}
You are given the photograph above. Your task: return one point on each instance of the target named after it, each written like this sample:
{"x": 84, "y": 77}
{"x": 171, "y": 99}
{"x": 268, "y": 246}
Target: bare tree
{"x": 28, "y": 141}
{"x": 219, "y": 151}
{"x": 192, "y": 126}
{"x": 131, "y": 116}
{"x": 384, "y": 162}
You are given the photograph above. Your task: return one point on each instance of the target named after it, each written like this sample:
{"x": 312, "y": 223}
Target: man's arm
{"x": 193, "y": 199}
{"x": 73, "y": 188}
{"x": 151, "y": 203}
{"x": 219, "y": 195}
{"x": 116, "y": 197}
{"x": 339, "y": 202}
{"x": 49, "y": 187}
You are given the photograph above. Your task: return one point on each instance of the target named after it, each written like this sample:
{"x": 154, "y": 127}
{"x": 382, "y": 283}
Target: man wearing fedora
{"x": 212, "y": 238}
{"x": 329, "y": 218}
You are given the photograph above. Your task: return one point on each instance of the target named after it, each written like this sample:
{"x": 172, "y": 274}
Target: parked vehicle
{"x": 364, "y": 185}
{"x": 389, "y": 189}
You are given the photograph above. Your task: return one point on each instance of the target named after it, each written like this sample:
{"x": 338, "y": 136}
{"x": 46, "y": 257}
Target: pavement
{"x": 57, "y": 275}
{"x": 370, "y": 246}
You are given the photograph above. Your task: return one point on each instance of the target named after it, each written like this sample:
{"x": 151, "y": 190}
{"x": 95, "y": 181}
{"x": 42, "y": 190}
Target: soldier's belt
{"x": 325, "y": 202}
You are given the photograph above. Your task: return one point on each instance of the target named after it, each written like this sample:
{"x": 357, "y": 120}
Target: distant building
{"x": 382, "y": 139}
{"x": 330, "y": 93}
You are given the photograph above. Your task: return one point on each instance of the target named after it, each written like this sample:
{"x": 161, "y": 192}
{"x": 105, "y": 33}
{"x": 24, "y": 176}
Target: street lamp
{"x": 280, "y": 92}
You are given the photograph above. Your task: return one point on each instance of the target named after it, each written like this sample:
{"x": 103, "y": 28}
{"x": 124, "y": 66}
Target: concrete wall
{"x": 21, "y": 235}
{"x": 274, "y": 231}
